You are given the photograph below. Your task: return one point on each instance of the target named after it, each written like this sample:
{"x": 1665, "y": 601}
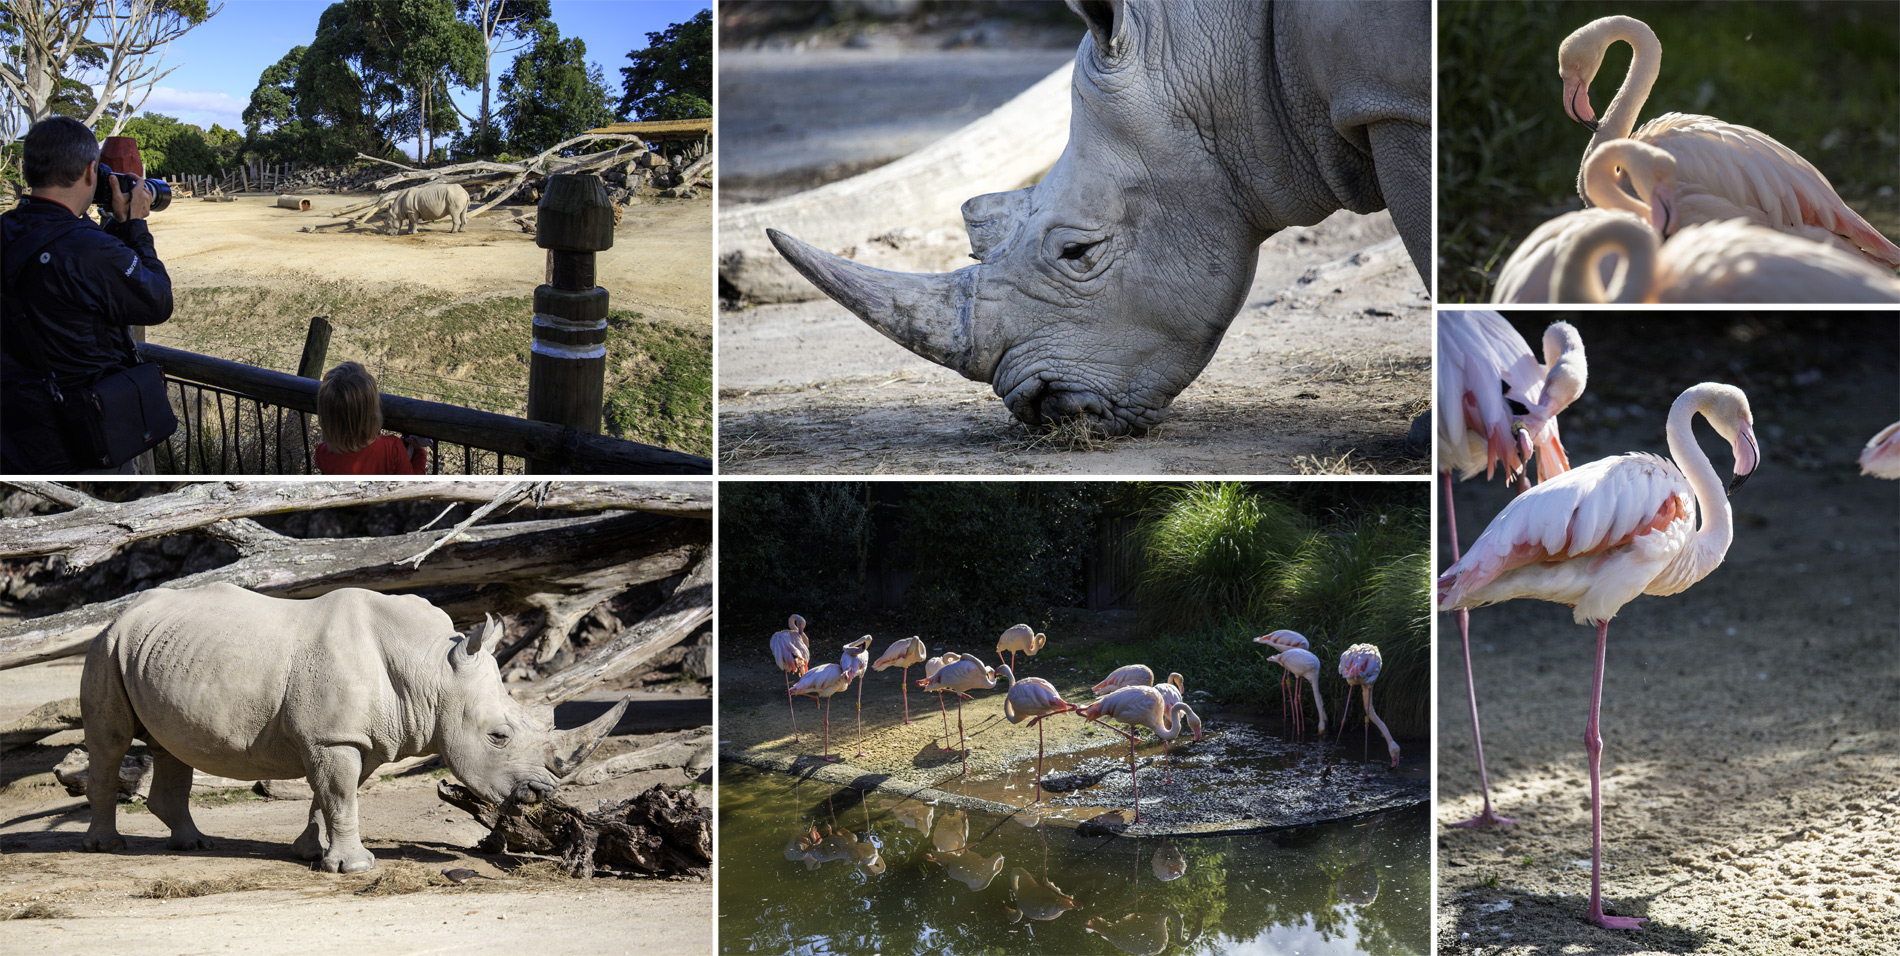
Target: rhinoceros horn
{"x": 933, "y": 315}
{"x": 568, "y": 749}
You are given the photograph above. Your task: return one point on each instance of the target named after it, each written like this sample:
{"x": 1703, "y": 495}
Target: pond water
{"x": 806, "y": 867}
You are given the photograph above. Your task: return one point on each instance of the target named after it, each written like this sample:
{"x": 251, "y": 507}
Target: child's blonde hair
{"x": 349, "y": 408}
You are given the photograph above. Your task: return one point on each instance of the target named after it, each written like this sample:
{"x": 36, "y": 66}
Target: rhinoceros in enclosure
{"x": 241, "y": 685}
{"x": 426, "y": 203}
{"x": 1197, "y": 131}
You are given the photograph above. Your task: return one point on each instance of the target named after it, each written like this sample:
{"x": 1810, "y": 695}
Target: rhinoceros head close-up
{"x": 1103, "y": 290}
{"x": 495, "y": 745}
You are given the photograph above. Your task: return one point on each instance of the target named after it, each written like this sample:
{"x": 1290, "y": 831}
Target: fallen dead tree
{"x": 663, "y": 832}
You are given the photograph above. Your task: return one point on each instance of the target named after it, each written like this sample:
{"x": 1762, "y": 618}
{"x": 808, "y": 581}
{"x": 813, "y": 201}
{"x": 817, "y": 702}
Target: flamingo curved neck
{"x": 1171, "y": 722}
{"x": 1577, "y": 279}
{"x": 1645, "y": 65}
{"x": 1601, "y": 188}
{"x": 1718, "y": 522}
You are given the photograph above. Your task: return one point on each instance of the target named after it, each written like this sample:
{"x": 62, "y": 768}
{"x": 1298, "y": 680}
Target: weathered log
{"x": 44, "y": 721}
{"x": 135, "y": 774}
{"x": 663, "y": 832}
{"x": 693, "y": 753}
{"x": 700, "y": 167}
{"x": 667, "y": 625}
{"x": 923, "y": 192}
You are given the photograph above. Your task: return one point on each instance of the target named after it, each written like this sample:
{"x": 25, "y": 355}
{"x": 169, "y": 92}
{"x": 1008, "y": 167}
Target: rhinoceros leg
{"x": 170, "y": 801}
{"x": 311, "y": 843}
{"x": 1401, "y": 153}
{"x": 110, "y": 726}
{"x": 334, "y": 774}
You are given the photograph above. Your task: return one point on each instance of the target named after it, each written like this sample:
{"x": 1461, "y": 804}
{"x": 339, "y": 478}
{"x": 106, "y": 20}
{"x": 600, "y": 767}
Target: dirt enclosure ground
{"x": 1323, "y": 370}
{"x": 1751, "y": 724}
{"x": 437, "y": 315}
{"x": 249, "y": 895}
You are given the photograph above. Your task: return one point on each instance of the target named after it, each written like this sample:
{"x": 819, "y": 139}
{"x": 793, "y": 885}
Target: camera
{"x": 125, "y": 183}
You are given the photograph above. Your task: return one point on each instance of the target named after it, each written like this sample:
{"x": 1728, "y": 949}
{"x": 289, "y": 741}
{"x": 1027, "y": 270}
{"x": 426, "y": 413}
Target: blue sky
{"x": 218, "y": 62}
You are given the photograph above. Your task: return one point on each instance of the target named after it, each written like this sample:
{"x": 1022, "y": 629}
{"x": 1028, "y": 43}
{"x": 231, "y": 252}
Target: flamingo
{"x": 1526, "y": 276}
{"x": 1359, "y": 665}
{"x": 1730, "y": 261}
{"x": 1601, "y": 534}
{"x": 793, "y": 654}
{"x": 823, "y": 681}
{"x": 1142, "y": 706}
{"x": 1881, "y": 457}
{"x": 1477, "y": 353}
{"x": 903, "y": 654}
{"x": 857, "y": 656}
{"x": 1303, "y": 666}
{"x": 1288, "y": 640}
{"x": 1172, "y": 691}
{"x": 1032, "y": 697}
{"x": 1036, "y": 899}
{"x": 1023, "y": 638}
{"x": 1132, "y": 675}
{"x": 931, "y": 667}
{"x": 965, "y": 674}
{"x": 1724, "y": 170}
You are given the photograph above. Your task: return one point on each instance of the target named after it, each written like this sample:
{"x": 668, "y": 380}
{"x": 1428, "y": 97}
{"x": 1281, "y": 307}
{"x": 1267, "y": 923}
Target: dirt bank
{"x": 1751, "y": 723}
{"x": 248, "y": 894}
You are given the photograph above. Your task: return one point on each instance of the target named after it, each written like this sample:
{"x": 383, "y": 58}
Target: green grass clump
{"x": 1823, "y": 79}
{"x": 1210, "y": 551}
{"x": 659, "y": 384}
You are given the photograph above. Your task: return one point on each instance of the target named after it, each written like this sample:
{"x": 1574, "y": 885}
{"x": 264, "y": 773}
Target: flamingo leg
{"x": 827, "y": 752}
{"x": 1593, "y": 743}
{"x": 965, "y": 752}
{"x": 788, "y": 705}
{"x": 1486, "y": 817}
{"x": 1039, "y": 732}
{"x": 1133, "y": 779}
{"x": 906, "y": 686}
{"x": 1365, "y": 735}
{"x": 860, "y": 714}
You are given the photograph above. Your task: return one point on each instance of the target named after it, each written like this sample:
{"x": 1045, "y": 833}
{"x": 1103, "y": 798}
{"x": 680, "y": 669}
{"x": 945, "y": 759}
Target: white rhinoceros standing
{"x": 242, "y": 685}
{"x": 426, "y": 203}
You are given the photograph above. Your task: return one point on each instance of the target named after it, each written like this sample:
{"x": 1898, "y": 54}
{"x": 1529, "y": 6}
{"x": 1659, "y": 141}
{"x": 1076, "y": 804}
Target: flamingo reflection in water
{"x": 1036, "y": 899}
{"x": 1169, "y": 863}
{"x": 968, "y": 867}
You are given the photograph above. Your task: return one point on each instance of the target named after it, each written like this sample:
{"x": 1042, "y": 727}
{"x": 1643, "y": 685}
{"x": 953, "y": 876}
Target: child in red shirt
{"x": 349, "y": 409}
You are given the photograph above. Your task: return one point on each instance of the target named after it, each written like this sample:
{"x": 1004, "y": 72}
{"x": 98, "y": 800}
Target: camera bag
{"x": 121, "y": 412}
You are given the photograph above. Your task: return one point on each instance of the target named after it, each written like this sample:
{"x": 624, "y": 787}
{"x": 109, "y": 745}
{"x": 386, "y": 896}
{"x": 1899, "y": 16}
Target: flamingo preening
{"x": 1142, "y": 706}
{"x": 1303, "y": 666}
{"x": 1032, "y": 697}
{"x": 1499, "y": 406}
{"x": 1172, "y": 691}
{"x": 1729, "y": 261}
{"x": 1020, "y": 637}
{"x": 1725, "y": 171}
{"x": 1284, "y": 641}
{"x": 1528, "y": 275}
{"x": 964, "y": 674}
{"x": 822, "y": 682}
{"x": 931, "y": 667}
{"x": 903, "y": 654}
{"x": 1881, "y": 457}
{"x": 1131, "y": 675}
{"x": 857, "y": 656}
{"x": 793, "y": 654}
{"x": 1359, "y": 665}
{"x": 1599, "y": 535}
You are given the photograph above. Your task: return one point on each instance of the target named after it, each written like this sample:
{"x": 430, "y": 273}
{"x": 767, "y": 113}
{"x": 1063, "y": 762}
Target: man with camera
{"x": 72, "y": 290}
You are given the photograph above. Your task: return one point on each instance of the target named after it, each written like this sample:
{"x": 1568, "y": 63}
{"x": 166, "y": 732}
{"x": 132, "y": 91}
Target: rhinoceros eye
{"x": 1076, "y": 250}
{"x": 498, "y": 737}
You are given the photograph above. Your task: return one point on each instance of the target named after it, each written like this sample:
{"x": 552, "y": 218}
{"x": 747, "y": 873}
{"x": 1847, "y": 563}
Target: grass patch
{"x": 541, "y": 871}
{"x": 1067, "y": 435}
{"x": 399, "y": 877}
{"x": 659, "y": 388}
{"x": 166, "y": 888}
{"x": 1351, "y": 462}
{"x": 1818, "y": 77}
{"x": 35, "y": 910}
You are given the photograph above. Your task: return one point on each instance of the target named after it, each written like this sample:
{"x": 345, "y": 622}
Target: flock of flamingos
{"x": 1592, "y": 537}
{"x": 1696, "y": 209}
{"x": 1129, "y": 696}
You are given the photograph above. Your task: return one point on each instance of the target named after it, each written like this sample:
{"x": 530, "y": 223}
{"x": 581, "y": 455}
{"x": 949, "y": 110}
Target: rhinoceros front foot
{"x": 345, "y": 861}
{"x": 109, "y": 842}
{"x": 188, "y": 841}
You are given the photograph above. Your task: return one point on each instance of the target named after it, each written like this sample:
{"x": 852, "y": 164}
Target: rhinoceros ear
{"x": 478, "y": 642}
{"x": 1107, "y": 20}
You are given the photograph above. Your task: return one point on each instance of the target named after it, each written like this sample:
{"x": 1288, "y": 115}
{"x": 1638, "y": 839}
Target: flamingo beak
{"x": 1662, "y": 210}
{"x": 1577, "y": 101}
{"x": 1747, "y": 456}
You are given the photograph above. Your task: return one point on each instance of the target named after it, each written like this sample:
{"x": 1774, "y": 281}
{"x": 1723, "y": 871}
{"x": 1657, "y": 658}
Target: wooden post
{"x": 567, "y": 366}
{"x": 316, "y": 347}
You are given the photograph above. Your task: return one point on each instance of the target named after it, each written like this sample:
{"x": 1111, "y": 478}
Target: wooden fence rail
{"x": 563, "y": 449}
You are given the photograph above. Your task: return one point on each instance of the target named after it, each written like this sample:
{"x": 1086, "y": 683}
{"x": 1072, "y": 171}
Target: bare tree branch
{"x": 671, "y": 622}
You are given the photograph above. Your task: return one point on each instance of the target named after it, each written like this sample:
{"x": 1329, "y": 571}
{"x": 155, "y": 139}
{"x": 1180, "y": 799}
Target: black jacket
{"x": 80, "y": 293}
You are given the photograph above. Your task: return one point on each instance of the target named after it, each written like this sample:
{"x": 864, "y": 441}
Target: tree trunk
{"x": 662, "y": 832}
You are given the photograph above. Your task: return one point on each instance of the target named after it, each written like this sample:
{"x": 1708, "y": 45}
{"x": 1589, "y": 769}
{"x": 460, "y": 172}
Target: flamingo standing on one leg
{"x": 1486, "y": 375}
{"x": 1020, "y": 637}
{"x": 1724, "y": 170}
{"x": 1142, "y": 706}
{"x": 903, "y": 654}
{"x": 1131, "y": 675}
{"x": 1359, "y": 665}
{"x": 964, "y": 674}
{"x": 857, "y": 656}
{"x": 931, "y": 667}
{"x": 1303, "y": 666}
{"x": 1881, "y": 457}
{"x": 1285, "y": 641}
{"x": 1032, "y": 697}
{"x": 793, "y": 654}
{"x": 1603, "y": 533}
{"x": 822, "y": 682}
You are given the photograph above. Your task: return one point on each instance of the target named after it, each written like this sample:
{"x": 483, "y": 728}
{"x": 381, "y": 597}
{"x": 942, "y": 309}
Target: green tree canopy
{"x": 273, "y": 102}
{"x": 551, "y": 93}
{"x": 498, "y": 22}
{"x": 672, "y": 77}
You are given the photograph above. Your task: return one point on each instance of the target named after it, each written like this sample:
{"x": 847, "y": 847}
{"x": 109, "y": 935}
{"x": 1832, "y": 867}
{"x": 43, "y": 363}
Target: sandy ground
{"x": 101, "y": 902}
{"x": 1311, "y": 371}
{"x": 1751, "y": 723}
{"x": 661, "y": 262}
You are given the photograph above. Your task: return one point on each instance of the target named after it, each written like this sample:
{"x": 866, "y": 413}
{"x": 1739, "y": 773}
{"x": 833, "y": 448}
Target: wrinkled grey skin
{"x": 419, "y": 204}
{"x": 1199, "y": 130}
{"x": 237, "y": 684}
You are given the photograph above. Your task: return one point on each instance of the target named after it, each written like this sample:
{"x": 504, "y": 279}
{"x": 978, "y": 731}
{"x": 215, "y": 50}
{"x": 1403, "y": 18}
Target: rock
{"x": 44, "y": 721}
{"x": 698, "y": 663}
{"x": 135, "y": 774}
{"x": 284, "y": 789}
